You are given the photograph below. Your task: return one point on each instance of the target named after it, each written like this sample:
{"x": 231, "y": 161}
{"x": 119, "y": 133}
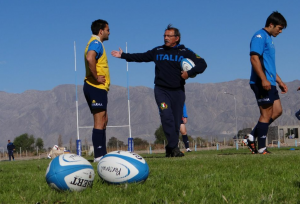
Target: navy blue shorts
{"x": 95, "y": 98}
{"x": 263, "y": 96}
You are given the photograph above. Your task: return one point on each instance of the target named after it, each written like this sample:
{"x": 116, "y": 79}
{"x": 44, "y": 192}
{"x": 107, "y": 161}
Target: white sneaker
{"x": 96, "y": 160}
{"x": 188, "y": 150}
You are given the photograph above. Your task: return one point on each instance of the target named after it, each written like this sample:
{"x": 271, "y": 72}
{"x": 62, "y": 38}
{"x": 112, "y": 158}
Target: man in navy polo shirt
{"x": 169, "y": 81}
{"x": 264, "y": 78}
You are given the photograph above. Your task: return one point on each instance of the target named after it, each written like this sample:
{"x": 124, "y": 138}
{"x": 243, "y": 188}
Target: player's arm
{"x": 256, "y": 65}
{"x": 91, "y": 59}
{"x": 281, "y": 84}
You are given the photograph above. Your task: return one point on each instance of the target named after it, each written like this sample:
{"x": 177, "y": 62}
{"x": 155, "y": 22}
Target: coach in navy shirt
{"x": 169, "y": 81}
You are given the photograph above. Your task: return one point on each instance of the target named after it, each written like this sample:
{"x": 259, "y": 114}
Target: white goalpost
{"x": 78, "y": 141}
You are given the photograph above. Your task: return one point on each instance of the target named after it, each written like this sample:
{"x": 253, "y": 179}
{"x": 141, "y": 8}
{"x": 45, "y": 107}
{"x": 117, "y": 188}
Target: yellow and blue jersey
{"x": 101, "y": 63}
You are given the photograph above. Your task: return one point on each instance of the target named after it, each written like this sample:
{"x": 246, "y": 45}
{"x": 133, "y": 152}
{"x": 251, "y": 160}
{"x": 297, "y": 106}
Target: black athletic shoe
{"x": 176, "y": 152}
{"x": 168, "y": 151}
{"x": 252, "y": 147}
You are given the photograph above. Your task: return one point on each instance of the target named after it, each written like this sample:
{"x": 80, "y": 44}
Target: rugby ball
{"x": 70, "y": 172}
{"x": 123, "y": 167}
{"x": 186, "y": 65}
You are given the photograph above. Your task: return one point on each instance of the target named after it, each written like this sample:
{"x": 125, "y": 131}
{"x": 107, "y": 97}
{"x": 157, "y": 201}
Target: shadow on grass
{"x": 225, "y": 154}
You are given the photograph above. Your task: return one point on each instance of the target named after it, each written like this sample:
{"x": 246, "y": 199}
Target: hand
{"x": 266, "y": 85}
{"x": 298, "y": 88}
{"x": 101, "y": 79}
{"x": 117, "y": 53}
{"x": 184, "y": 75}
{"x": 283, "y": 87}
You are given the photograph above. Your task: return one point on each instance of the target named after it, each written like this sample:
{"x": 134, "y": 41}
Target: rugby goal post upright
{"x": 130, "y": 139}
{"x": 78, "y": 141}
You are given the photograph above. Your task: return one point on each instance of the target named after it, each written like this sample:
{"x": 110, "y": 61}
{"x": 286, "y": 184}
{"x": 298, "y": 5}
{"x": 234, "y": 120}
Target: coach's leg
{"x": 99, "y": 136}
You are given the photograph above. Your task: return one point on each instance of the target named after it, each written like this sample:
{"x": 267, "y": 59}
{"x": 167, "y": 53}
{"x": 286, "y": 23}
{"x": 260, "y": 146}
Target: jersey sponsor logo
{"x": 163, "y": 106}
{"x": 94, "y": 103}
{"x": 176, "y": 58}
{"x": 258, "y": 36}
{"x": 263, "y": 99}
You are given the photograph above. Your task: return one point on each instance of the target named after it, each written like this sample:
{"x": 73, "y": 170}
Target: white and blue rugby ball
{"x": 186, "y": 65}
{"x": 123, "y": 167}
{"x": 70, "y": 172}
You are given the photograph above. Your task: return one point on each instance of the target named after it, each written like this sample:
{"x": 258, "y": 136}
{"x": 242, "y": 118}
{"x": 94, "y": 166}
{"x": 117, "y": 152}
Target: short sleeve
{"x": 97, "y": 47}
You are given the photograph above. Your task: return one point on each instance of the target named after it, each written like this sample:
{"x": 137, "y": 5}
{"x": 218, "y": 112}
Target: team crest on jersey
{"x": 93, "y": 101}
{"x": 163, "y": 106}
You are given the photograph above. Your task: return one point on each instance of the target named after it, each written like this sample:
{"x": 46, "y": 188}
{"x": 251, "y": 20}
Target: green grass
{"x": 223, "y": 176}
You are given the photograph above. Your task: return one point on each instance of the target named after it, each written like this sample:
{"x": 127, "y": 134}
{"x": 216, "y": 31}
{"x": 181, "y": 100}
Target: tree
{"x": 25, "y": 142}
{"x": 39, "y": 143}
{"x": 138, "y": 141}
{"x": 114, "y": 142}
{"x": 200, "y": 140}
{"x": 160, "y": 136}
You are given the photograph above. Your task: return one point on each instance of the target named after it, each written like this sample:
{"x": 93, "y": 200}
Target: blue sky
{"x": 37, "y": 38}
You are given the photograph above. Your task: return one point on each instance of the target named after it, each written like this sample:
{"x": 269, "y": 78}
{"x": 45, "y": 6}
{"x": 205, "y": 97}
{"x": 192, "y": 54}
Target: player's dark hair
{"x": 176, "y": 31}
{"x": 276, "y": 19}
{"x": 98, "y": 25}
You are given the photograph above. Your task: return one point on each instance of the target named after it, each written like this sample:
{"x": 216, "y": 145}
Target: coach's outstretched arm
{"x": 117, "y": 53}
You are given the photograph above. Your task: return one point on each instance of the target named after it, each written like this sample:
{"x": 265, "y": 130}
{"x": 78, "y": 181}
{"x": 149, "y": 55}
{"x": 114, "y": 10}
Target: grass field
{"x": 223, "y": 176}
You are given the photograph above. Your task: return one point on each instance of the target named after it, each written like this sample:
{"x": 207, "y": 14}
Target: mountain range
{"x": 212, "y": 113}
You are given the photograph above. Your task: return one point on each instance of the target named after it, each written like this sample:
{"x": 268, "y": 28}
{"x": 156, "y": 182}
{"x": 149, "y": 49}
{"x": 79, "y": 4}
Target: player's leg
{"x": 185, "y": 137}
{"x": 99, "y": 133}
{"x": 262, "y": 126}
{"x": 270, "y": 109}
{"x": 277, "y": 110}
{"x": 97, "y": 102}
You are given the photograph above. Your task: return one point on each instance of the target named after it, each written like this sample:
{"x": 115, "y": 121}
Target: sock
{"x": 185, "y": 141}
{"x": 253, "y": 132}
{"x": 99, "y": 142}
{"x": 262, "y": 131}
